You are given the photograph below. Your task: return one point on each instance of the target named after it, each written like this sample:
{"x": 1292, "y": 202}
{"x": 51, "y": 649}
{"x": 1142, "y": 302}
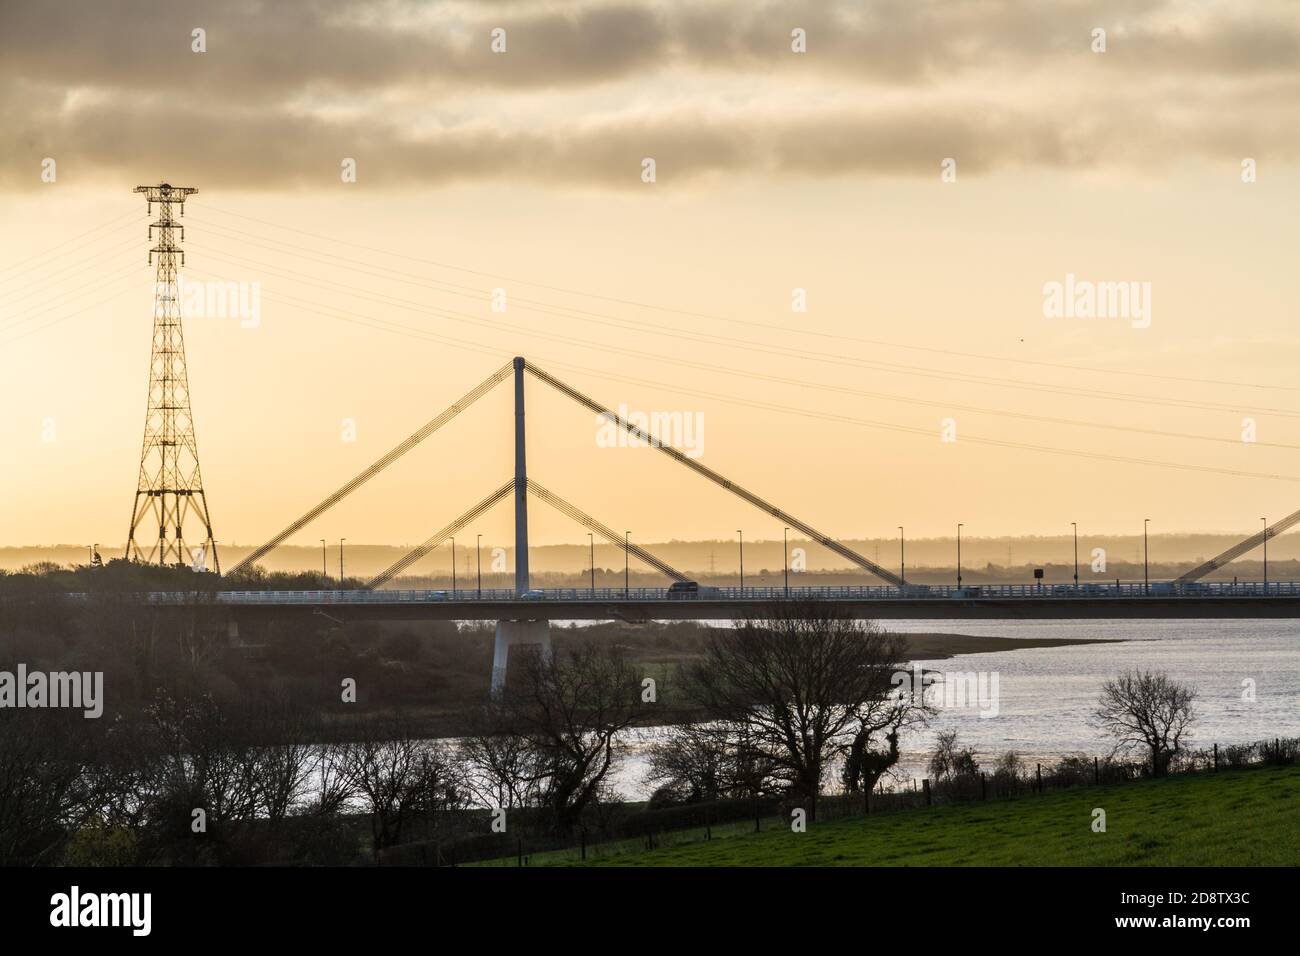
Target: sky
{"x": 840, "y": 274}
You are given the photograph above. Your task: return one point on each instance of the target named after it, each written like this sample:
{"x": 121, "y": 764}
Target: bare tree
{"x": 502, "y": 764}
{"x": 46, "y": 791}
{"x": 570, "y": 708}
{"x": 400, "y": 776}
{"x": 796, "y": 683}
{"x": 949, "y": 760}
{"x": 1147, "y": 709}
{"x": 881, "y": 718}
{"x": 697, "y": 762}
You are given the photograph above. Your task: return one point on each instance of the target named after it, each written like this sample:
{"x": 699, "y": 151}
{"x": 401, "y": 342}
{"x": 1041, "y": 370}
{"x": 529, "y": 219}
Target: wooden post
{"x": 984, "y": 785}
{"x": 1039, "y": 773}
{"x": 1096, "y": 770}
{"x": 1216, "y": 758}
{"x": 925, "y": 785}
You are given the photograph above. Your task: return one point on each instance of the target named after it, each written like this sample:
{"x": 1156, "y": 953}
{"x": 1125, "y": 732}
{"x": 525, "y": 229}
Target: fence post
{"x": 925, "y": 785}
{"x": 1039, "y": 773}
{"x": 984, "y": 785}
{"x": 1096, "y": 770}
{"x": 1216, "y": 758}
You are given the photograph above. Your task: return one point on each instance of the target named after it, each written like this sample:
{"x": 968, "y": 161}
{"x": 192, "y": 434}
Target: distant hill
{"x": 928, "y": 559}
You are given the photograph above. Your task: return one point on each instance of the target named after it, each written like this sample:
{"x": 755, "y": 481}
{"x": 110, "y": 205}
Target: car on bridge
{"x": 681, "y": 589}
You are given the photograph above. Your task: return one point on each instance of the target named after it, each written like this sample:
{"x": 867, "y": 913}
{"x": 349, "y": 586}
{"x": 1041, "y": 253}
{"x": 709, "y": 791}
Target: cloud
{"x": 413, "y": 92}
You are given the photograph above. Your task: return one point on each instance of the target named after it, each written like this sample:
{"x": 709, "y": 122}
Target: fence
{"x": 620, "y": 829}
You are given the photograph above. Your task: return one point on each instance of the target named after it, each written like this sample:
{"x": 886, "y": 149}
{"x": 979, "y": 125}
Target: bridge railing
{"x": 762, "y": 594}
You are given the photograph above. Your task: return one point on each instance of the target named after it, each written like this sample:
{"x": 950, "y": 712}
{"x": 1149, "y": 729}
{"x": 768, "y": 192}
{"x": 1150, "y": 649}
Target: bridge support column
{"x": 521, "y": 486}
{"x": 510, "y": 633}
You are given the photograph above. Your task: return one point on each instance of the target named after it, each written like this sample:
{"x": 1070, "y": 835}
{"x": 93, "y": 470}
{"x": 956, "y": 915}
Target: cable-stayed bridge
{"x": 523, "y": 613}
{"x": 169, "y": 488}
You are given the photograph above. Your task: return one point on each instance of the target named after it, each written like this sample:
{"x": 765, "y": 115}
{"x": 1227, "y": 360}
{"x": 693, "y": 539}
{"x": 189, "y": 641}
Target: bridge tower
{"x": 512, "y": 632}
{"x": 169, "y": 489}
{"x": 521, "y": 485}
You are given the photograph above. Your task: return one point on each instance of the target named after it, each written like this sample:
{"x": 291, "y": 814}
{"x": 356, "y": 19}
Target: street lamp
{"x": 1075, "y": 526}
{"x": 591, "y": 544}
{"x": 342, "y": 579}
{"x": 478, "y": 562}
{"x": 453, "y": 567}
{"x": 1146, "y": 563}
{"x": 324, "y": 561}
{"x": 785, "y": 548}
{"x": 742, "y": 561}
{"x": 627, "y": 543}
{"x": 1265, "y": 520}
{"x": 902, "y": 565}
{"x": 959, "y": 554}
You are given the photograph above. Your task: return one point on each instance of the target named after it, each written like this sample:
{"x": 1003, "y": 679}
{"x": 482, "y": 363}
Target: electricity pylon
{"x": 170, "y": 489}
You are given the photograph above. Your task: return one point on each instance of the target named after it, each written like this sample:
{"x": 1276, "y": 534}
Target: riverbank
{"x": 457, "y": 666}
{"x": 941, "y": 646}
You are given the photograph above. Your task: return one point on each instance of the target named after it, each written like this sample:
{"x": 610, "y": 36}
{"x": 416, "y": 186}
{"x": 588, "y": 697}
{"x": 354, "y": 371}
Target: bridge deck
{"x": 1162, "y": 600}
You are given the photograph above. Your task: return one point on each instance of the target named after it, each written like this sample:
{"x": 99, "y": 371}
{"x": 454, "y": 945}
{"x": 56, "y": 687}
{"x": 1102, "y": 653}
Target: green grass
{"x": 1237, "y": 818}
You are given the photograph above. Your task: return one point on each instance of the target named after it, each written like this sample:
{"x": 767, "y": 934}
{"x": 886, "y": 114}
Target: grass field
{"x": 1234, "y": 818}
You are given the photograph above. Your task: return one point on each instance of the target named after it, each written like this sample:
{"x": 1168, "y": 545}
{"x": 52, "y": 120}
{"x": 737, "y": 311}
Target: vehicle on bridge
{"x": 680, "y": 590}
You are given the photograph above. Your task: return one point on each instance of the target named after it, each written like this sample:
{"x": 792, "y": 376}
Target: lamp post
{"x": 453, "y": 567}
{"x": 1265, "y": 520}
{"x": 627, "y": 543}
{"x": 959, "y": 554}
{"x": 785, "y": 548}
{"x": 478, "y": 563}
{"x": 742, "y": 561}
{"x": 591, "y": 544}
{"x": 1075, "y": 526}
{"x": 324, "y": 561}
{"x": 341, "y": 578}
{"x": 902, "y": 564}
{"x": 1146, "y": 562}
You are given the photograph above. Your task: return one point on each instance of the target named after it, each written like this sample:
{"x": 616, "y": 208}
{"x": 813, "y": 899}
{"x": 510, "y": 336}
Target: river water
{"x": 1046, "y": 695}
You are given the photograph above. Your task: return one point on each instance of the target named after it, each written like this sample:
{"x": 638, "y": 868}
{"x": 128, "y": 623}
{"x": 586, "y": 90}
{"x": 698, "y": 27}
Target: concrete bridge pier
{"x": 510, "y": 633}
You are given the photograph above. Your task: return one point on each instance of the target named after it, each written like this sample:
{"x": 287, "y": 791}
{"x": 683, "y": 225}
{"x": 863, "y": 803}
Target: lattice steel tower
{"x": 170, "y": 489}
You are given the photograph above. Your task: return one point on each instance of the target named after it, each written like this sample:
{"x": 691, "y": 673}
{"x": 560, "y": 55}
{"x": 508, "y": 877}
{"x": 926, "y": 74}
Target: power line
{"x": 424, "y": 335}
{"x": 386, "y": 299}
{"x": 749, "y": 322}
{"x": 53, "y": 250}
